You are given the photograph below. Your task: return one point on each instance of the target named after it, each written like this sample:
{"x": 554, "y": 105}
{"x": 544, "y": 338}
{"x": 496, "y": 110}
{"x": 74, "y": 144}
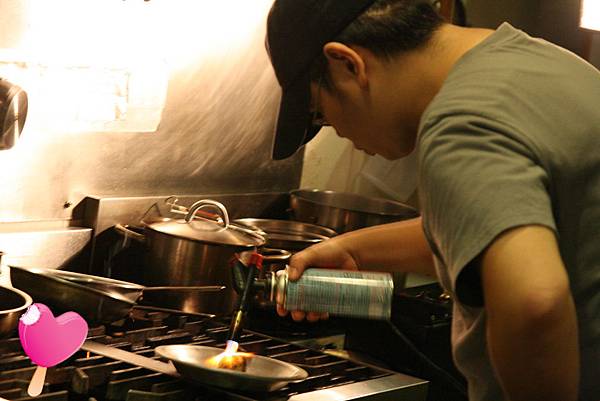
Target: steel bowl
{"x": 14, "y": 303}
{"x": 345, "y": 212}
{"x": 13, "y": 112}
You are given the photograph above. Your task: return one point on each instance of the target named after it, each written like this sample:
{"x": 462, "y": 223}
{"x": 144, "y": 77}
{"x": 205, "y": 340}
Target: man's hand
{"x": 531, "y": 320}
{"x": 328, "y": 254}
{"x": 390, "y": 247}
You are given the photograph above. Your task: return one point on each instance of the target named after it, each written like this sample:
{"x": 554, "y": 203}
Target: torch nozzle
{"x": 235, "y": 328}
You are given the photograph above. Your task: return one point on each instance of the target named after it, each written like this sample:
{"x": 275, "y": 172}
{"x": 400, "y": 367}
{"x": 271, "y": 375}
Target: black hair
{"x": 387, "y": 28}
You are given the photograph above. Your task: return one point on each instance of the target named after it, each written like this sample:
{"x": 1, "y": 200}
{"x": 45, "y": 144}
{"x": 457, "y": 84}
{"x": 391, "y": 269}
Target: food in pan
{"x": 233, "y": 362}
{"x": 231, "y": 359}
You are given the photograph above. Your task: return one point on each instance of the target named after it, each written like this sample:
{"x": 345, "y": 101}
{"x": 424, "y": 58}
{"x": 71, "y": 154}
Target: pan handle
{"x": 199, "y": 289}
{"x": 130, "y": 357}
{"x": 181, "y": 300}
{"x": 161, "y": 292}
{"x": 173, "y": 311}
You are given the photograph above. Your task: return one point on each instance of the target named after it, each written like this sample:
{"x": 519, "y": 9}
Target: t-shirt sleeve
{"x": 477, "y": 178}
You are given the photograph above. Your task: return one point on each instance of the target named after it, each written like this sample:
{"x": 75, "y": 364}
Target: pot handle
{"x": 130, "y": 233}
{"x": 202, "y": 203}
{"x": 179, "y": 209}
{"x": 271, "y": 255}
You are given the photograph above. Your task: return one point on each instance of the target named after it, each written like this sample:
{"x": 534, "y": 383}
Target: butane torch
{"x": 254, "y": 264}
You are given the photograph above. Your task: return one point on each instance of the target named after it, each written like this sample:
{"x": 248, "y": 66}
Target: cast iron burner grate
{"x": 89, "y": 377}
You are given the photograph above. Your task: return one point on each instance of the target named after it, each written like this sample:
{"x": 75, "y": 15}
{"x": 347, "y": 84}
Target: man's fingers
{"x": 298, "y": 315}
{"x": 313, "y": 316}
{"x": 293, "y": 273}
{"x": 281, "y": 311}
{"x": 295, "y": 268}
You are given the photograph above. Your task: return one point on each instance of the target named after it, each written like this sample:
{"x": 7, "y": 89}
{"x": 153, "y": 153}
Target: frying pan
{"x": 184, "y": 299}
{"x": 97, "y": 299}
{"x": 190, "y": 361}
{"x": 262, "y": 373}
{"x": 13, "y": 303}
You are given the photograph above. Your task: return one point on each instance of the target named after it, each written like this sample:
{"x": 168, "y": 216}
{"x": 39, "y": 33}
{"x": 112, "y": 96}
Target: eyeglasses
{"x": 317, "y": 119}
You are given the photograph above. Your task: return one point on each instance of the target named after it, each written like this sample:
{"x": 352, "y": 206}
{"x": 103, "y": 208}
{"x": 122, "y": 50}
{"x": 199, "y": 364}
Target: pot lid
{"x": 209, "y": 231}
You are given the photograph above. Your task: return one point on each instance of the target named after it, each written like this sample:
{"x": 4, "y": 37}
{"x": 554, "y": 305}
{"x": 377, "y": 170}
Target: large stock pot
{"x": 345, "y": 212}
{"x": 195, "y": 251}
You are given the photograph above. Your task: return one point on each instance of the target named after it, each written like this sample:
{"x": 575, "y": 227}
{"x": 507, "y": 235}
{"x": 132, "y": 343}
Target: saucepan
{"x": 99, "y": 299}
{"x": 191, "y": 363}
{"x": 196, "y": 250}
{"x": 13, "y": 304}
{"x": 290, "y": 235}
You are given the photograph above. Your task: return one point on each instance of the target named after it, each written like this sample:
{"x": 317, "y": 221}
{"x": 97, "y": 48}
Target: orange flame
{"x": 230, "y": 351}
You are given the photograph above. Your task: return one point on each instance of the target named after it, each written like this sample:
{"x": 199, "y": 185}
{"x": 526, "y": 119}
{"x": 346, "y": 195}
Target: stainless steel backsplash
{"x": 214, "y": 136}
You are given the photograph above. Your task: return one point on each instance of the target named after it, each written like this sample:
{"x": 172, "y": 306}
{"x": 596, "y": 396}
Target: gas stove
{"x": 89, "y": 377}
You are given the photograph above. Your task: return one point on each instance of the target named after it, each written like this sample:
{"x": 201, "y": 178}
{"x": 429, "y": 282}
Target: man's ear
{"x": 345, "y": 63}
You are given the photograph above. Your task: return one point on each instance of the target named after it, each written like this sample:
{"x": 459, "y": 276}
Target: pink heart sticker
{"x": 47, "y": 340}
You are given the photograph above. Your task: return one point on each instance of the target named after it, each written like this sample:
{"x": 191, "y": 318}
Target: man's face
{"x": 371, "y": 101}
{"x": 366, "y": 119}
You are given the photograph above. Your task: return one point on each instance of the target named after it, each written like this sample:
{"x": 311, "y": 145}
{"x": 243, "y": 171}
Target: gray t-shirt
{"x": 513, "y": 138}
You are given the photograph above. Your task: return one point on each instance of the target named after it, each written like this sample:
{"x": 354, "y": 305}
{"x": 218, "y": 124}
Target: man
{"x": 507, "y": 130}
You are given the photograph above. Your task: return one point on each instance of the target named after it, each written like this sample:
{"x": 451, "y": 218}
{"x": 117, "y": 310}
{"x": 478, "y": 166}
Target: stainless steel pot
{"x": 289, "y": 235}
{"x": 13, "y": 304}
{"x": 345, "y": 212}
{"x": 13, "y": 111}
{"x": 195, "y": 251}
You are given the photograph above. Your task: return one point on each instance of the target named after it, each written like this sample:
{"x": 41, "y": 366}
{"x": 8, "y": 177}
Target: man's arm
{"x": 532, "y": 325}
{"x": 399, "y": 246}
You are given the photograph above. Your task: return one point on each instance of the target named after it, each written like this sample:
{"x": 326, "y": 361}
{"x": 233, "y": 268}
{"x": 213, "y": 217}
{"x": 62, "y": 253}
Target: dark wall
{"x": 553, "y": 20}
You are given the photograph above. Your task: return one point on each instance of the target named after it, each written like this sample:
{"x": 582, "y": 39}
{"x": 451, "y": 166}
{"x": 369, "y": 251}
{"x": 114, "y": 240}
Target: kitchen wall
{"x": 214, "y": 120}
{"x": 595, "y": 49}
{"x": 556, "y": 20}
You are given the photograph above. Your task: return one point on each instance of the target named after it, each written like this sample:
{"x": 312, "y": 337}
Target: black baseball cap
{"x": 297, "y": 30}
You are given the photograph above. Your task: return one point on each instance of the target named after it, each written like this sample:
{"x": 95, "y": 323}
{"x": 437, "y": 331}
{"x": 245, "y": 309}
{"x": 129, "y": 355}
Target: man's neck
{"x": 434, "y": 62}
{"x": 449, "y": 44}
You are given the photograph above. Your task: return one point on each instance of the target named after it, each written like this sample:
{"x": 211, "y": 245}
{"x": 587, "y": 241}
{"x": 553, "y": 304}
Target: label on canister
{"x": 341, "y": 292}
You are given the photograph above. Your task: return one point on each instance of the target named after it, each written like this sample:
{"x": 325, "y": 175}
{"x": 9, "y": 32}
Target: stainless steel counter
{"x": 42, "y": 244}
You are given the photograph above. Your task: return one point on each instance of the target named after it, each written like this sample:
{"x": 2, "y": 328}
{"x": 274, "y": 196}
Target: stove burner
{"x": 89, "y": 377}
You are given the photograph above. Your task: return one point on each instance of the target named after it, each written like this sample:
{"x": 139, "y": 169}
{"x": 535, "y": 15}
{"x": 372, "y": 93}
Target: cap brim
{"x": 293, "y": 120}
